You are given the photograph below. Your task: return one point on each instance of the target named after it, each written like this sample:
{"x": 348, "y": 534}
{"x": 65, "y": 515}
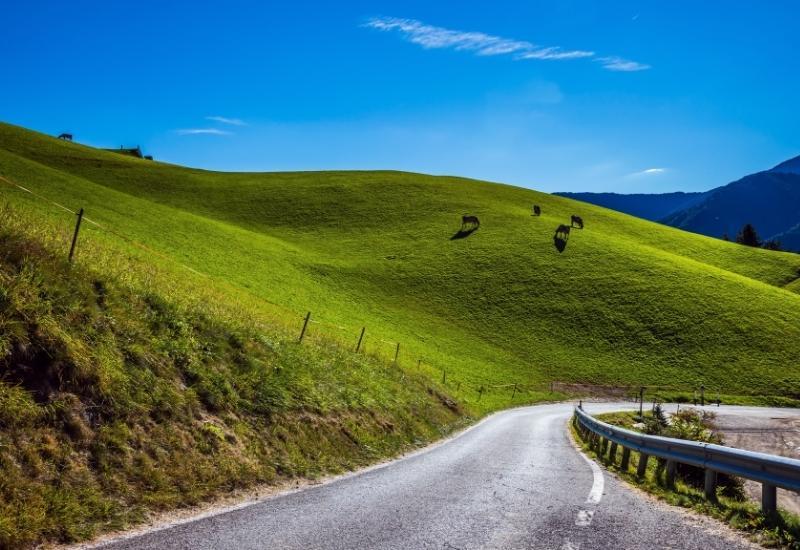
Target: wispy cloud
{"x": 647, "y": 172}
{"x": 202, "y": 131}
{"x": 614, "y": 63}
{"x": 432, "y": 37}
{"x": 226, "y": 120}
{"x": 555, "y": 53}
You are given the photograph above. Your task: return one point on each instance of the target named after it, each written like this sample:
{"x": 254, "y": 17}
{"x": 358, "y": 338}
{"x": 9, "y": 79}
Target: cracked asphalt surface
{"x": 513, "y": 481}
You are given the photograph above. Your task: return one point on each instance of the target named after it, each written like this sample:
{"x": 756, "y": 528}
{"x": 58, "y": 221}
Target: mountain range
{"x": 769, "y": 200}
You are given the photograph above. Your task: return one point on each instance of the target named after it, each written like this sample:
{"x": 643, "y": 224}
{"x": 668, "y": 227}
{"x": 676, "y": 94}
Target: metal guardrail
{"x": 769, "y": 470}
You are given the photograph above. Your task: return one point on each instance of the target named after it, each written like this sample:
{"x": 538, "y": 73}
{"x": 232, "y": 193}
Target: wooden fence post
{"x": 360, "y": 338}
{"x": 75, "y": 235}
{"x": 396, "y": 353}
{"x": 305, "y": 326}
{"x": 514, "y": 392}
{"x": 641, "y": 403}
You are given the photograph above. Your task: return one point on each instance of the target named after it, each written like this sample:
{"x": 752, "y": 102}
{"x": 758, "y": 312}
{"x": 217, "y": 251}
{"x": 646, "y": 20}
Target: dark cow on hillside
{"x": 65, "y": 136}
{"x": 576, "y": 221}
{"x": 562, "y": 231}
{"x": 536, "y": 210}
{"x": 469, "y": 223}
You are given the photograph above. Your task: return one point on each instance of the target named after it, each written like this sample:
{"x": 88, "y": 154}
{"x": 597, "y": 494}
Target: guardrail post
{"x": 641, "y": 469}
{"x": 769, "y": 499}
{"x": 612, "y": 452}
{"x": 670, "y": 474}
{"x": 603, "y": 445}
{"x": 711, "y": 484}
{"x": 626, "y": 458}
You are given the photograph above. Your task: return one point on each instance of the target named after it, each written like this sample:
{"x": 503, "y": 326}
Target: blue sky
{"x": 558, "y": 95}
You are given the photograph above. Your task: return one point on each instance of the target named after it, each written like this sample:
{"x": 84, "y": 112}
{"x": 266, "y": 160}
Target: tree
{"x": 748, "y": 236}
{"x": 725, "y": 236}
{"x": 772, "y": 244}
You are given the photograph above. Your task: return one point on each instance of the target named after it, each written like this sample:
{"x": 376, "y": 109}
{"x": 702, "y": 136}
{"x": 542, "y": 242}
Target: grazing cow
{"x": 563, "y": 231}
{"x": 576, "y": 220}
{"x": 536, "y": 210}
{"x": 471, "y": 222}
{"x": 65, "y": 136}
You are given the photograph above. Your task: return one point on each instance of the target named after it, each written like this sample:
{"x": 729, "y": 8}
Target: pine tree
{"x": 748, "y": 236}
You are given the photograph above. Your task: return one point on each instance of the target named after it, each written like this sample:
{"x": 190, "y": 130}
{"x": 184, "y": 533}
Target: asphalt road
{"x": 513, "y": 481}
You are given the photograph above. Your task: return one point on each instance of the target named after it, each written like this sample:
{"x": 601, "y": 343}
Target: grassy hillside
{"x": 171, "y": 368}
{"x": 627, "y": 302}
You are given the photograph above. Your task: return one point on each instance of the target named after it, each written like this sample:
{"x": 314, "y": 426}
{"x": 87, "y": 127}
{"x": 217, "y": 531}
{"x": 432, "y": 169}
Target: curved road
{"x": 513, "y": 481}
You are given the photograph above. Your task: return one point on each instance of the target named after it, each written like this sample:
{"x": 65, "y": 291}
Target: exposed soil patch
{"x": 779, "y": 435}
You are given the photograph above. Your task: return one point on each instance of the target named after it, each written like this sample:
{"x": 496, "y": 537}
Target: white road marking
{"x": 569, "y": 546}
{"x": 584, "y": 518}
{"x": 598, "y": 482}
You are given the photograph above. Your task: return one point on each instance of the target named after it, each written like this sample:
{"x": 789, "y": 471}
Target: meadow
{"x": 627, "y": 302}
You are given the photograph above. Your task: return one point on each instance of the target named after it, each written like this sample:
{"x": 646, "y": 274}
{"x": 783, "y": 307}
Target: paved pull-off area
{"x": 513, "y": 481}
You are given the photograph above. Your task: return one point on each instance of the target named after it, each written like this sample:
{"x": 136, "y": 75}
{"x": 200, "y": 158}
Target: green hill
{"x": 211, "y": 275}
{"x": 627, "y": 302}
